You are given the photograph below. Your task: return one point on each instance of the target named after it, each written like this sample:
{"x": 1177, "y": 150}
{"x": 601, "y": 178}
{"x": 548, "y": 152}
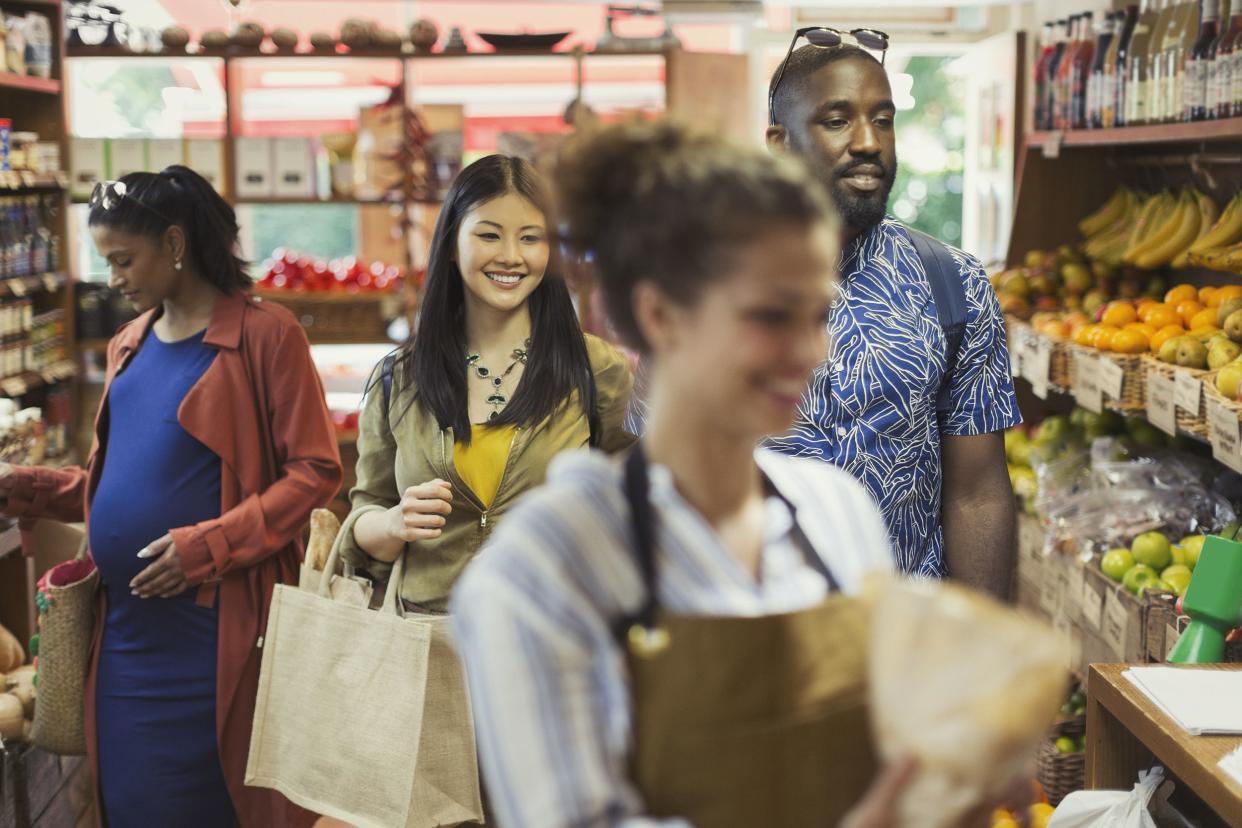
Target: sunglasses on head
{"x": 828, "y": 38}
{"x": 108, "y": 194}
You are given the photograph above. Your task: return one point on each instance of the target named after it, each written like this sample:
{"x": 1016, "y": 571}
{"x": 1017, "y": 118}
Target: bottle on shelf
{"x": 1113, "y": 112}
{"x": 1229, "y": 67}
{"x": 1047, "y": 47}
{"x": 1062, "y": 85}
{"x": 1155, "y": 77}
{"x": 1184, "y": 48}
{"x": 1198, "y": 60}
{"x": 1135, "y": 91}
{"x": 1094, "y": 116}
{"x": 1080, "y": 71}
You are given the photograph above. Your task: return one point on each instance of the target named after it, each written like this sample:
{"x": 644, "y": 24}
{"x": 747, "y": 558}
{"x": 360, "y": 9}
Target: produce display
{"x": 1154, "y": 563}
{"x": 17, "y": 689}
{"x": 293, "y": 271}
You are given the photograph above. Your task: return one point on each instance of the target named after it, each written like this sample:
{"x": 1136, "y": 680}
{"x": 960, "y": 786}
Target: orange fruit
{"x": 1187, "y": 310}
{"x": 1207, "y": 296}
{"x": 1226, "y": 293}
{"x": 1102, "y": 338}
{"x": 1160, "y": 316}
{"x": 1203, "y": 320}
{"x": 1144, "y": 328}
{"x": 1128, "y": 342}
{"x": 1118, "y": 314}
{"x": 1180, "y": 294}
{"x": 1164, "y": 335}
{"x": 1083, "y": 335}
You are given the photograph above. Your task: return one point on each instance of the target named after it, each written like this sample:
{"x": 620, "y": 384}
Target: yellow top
{"x": 482, "y": 463}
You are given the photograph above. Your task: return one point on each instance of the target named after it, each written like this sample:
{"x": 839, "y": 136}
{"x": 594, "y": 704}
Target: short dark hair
{"x": 433, "y": 361}
{"x": 178, "y": 195}
{"x": 800, "y": 66}
{"x": 659, "y": 202}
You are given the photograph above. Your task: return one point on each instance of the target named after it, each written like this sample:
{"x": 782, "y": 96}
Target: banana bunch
{"x": 1220, "y": 248}
{"x": 1107, "y": 230}
{"x": 1173, "y": 227}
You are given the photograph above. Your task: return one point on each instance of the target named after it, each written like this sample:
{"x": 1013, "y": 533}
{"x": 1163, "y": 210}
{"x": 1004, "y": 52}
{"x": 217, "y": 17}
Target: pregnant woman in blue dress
{"x": 213, "y": 445}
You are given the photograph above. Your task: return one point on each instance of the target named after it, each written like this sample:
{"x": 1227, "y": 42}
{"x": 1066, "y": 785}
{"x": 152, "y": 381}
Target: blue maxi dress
{"x": 156, "y": 693}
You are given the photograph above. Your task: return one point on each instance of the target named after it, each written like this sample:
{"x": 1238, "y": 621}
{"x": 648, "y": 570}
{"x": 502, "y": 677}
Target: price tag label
{"x": 1111, "y": 377}
{"x": 1086, "y": 383}
{"x": 17, "y": 287}
{"x": 1052, "y": 144}
{"x": 49, "y": 282}
{"x": 1160, "y": 409}
{"x": 1170, "y": 639}
{"x": 1115, "y": 624}
{"x": 1189, "y": 392}
{"x": 1038, "y": 365}
{"x": 1092, "y": 606}
{"x": 1074, "y": 591}
{"x": 1223, "y": 433}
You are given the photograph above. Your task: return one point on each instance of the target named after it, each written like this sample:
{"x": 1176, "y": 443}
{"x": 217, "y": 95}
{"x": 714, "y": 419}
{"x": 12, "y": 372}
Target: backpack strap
{"x": 945, "y": 277}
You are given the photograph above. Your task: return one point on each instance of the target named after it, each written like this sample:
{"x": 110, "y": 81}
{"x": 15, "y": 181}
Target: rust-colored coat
{"x": 259, "y": 406}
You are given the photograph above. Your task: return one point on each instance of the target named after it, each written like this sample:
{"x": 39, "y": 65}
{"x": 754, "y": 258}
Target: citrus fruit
{"x": 1083, "y": 335}
{"x": 1102, "y": 338}
{"x": 1118, "y": 314}
{"x": 1181, "y": 293}
{"x": 1207, "y": 296}
{"x": 1143, "y": 328}
{"x": 1187, "y": 310}
{"x": 1226, "y": 293}
{"x": 1039, "y": 814}
{"x": 1164, "y": 335}
{"x": 1128, "y": 342}
{"x": 1160, "y": 316}
{"x": 1203, "y": 320}
{"x": 1116, "y": 563}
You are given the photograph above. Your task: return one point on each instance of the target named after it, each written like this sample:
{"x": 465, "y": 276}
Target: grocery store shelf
{"x": 26, "y": 83}
{"x": 23, "y": 285}
{"x": 17, "y": 182}
{"x": 373, "y": 54}
{"x": 20, "y": 384}
{"x": 311, "y": 200}
{"x": 1107, "y": 406}
{"x": 92, "y": 344}
{"x": 1229, "y": 129}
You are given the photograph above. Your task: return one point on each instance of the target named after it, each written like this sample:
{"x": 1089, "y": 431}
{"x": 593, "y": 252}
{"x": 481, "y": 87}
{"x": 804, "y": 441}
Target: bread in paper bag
{"x": 963, "y": 683}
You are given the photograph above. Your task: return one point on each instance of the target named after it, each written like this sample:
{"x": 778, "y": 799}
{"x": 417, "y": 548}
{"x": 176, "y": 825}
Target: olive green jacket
{"x": 416, "y": 450}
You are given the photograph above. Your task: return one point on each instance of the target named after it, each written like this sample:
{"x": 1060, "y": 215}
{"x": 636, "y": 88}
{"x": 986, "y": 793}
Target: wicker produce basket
{"x": 1190, "y": 423}
{"x": 1059, "y": 368}
{"x": 1061, "y": 774}
{"x": 1210, "y": 392}
{"x": 1133, "y": 377}
{"x": 338, "y": 316}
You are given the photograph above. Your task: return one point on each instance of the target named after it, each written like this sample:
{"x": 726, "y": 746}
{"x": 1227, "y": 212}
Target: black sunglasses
{"x": 827, "y": 38}
{"x": 108, "y": 194}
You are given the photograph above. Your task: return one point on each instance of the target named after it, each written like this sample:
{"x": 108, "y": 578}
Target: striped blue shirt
{"x": 533, "y": 616}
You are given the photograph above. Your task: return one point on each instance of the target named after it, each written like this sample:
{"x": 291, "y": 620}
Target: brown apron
{"x": 745, "y": 721}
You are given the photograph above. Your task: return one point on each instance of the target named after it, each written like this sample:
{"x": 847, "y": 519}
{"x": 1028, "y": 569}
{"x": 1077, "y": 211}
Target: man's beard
{"x": 862, "y": 211}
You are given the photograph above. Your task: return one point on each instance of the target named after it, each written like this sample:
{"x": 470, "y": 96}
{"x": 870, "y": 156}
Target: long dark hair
{"x": 153, "y": 202}
{"x": 434, "y": 361}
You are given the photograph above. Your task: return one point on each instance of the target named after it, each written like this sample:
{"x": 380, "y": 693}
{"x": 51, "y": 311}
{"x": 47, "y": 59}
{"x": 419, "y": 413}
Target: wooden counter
{"x": 1127, "y": 733}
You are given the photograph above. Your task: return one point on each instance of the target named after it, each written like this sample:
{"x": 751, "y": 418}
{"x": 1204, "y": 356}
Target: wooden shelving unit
{"x": 37, "y": 105}
{"x": 1216, "y": 131}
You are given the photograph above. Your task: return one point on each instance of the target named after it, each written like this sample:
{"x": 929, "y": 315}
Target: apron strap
{"x": 643, "y": 521}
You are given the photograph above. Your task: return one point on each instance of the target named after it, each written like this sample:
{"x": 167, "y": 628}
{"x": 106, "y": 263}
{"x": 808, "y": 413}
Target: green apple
{"x": 1193, "y": 545}
{"x": 1177, "y": 575}
{"x": 1053, "y": 429}
{"x": 1153, "y": 549}
{"x": 1066, "y": 744}
{"x": 1139, "y": 576}
{"x": 1116, "y": 563}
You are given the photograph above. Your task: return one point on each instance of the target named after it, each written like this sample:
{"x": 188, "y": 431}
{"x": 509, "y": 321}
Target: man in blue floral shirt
{"x": 922, "y": 434}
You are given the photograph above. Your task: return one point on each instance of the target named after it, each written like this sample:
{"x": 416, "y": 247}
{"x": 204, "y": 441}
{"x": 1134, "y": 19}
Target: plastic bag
{"x": 1110, "y": 809}
{"x": 966, "y": 685}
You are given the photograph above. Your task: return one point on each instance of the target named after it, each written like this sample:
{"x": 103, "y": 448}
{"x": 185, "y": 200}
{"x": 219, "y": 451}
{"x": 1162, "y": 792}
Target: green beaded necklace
{"x": 497, "y": 400}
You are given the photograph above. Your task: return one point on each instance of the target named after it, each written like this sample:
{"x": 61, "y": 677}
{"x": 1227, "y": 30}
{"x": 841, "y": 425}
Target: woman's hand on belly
{"x": 164, "y": 578}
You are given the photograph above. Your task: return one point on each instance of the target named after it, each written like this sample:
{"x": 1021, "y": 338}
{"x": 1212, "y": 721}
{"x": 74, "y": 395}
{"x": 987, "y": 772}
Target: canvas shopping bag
{"x": 339, "y": 714}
